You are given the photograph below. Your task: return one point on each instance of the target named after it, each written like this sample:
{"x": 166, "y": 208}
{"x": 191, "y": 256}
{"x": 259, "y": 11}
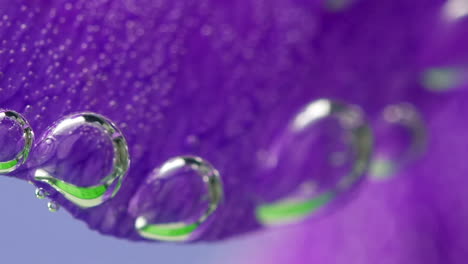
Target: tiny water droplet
{"x": 41, "y": 193}
{"x": 53, "y": 206}
{"x": 319, "y": 157}
{"x": 186, "y": 176}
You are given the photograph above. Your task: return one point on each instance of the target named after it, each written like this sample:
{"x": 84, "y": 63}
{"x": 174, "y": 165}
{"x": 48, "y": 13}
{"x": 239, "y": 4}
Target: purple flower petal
{"x": 214, "y": 79}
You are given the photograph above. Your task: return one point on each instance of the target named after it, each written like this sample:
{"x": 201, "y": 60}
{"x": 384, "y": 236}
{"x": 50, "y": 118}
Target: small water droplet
{"x": 41, "y": 193}
{"x": 190, "y": 177}
{"x": 320, "y": 156}
{"x": 16, "y": 137}
{"x": 53, "y": 206}
{"x": 400, "y": 139}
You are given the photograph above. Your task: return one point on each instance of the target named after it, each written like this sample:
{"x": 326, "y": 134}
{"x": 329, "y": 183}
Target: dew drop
{"x": 185, "y": 192}
{"x": 41, "y": 193}
{"x": 87, "y": 159}
{"x": 53, "y": 206}
{"x": 320, "y": 156}
{"x": 400, "y": 140}
{"x": 16, "y": 137}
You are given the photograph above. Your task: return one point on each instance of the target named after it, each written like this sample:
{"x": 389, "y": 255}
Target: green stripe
{"x": 289, "y": 211}
{"x": 440, "y": 79}
{"x": 85, "y": 193}
{"x": 8, "y": 164}
{"x": 167, "y": 230}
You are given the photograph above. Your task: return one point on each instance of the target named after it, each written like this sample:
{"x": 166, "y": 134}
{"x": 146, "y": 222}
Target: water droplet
{"x": 321, "y": 155}
{"x": 400, "y": 139}
{"x": 191, "y": 187}
{"x": 16, "y": 137}
{"x": 80, "y": 147}
{"x": 53, "y": 206}
{"x": 41, "y": 193}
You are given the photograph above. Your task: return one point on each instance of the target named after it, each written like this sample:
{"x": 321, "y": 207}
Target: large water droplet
{"x": 86, "y": 159}
{"x": 322, "y": 154}
{"x": 177, "y": 200}
{"x": 16, "y": 137}
{"x": 400, "y": 139}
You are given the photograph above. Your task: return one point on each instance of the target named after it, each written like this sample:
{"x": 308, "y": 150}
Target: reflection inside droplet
{"x": 16, "y": 138}
{"x": 184, "y": 192}
{"x": 87, "y": 158}
{"x": 442, "y": 79}
{"x": 322, "y": 154}
{"x": 400, "y": 139}
{"x": 455, "y": 9}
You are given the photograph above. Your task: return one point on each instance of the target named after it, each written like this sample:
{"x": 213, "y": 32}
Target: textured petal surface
{"x": 220, "y": 79}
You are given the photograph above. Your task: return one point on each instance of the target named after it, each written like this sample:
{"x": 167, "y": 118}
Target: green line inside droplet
{"x": 169, "y": 231}
{"x": 288, "y": 211}
{"x": 440, "y": 79}
{"x": 8, "y": 164}
{"x": 85, "y": 193}
{"x": 381, "y": 168}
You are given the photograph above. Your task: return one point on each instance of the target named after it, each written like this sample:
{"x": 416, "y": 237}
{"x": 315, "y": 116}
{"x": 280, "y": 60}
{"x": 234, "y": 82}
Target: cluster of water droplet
{"x": 322, "y": 154}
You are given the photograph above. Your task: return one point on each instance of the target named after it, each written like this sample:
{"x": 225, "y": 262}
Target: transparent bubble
{"x": 321, "y": 155}
{"x": 185, "y": 191}
{"x": 400, "y": 139}
{"x": 16, "y": 137}
{"x": 84, "y": 157}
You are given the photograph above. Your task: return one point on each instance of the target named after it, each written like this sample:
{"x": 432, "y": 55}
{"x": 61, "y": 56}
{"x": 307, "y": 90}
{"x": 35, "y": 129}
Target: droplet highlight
{"x": 79, "y": 148}
{"x": 195, "y": 199}
{"x": 16, "y": 139}
{"x": 322, "y": 154}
